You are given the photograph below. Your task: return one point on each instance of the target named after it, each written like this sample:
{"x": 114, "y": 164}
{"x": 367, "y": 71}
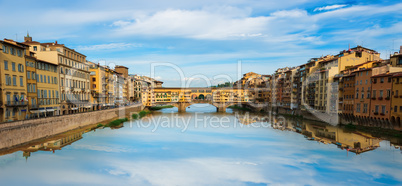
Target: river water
{"x": 202, "y": 147}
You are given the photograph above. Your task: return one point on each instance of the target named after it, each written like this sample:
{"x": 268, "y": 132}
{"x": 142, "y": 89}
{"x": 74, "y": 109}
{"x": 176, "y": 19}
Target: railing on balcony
{"x": 16, "y": 103}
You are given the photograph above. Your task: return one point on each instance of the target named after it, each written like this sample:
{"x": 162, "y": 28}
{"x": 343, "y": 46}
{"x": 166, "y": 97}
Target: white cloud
{"x": 330, "y": 7}
{"x": 109, "y": 46}
{"x": 197, "y": 24}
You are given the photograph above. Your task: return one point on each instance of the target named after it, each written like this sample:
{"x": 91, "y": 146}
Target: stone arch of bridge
{"x": 220, "y": 106}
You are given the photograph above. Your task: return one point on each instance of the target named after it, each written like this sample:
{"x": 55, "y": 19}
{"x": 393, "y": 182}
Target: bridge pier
{"x": 182, "y": 107}
{"x": 220, "y": 109}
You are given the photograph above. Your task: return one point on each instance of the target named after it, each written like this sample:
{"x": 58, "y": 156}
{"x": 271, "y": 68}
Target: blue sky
{"x": 206, "y": 39}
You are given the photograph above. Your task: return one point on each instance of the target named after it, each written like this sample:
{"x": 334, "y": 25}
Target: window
{"x": 41, "y": 78}
{"x": 388, "y": 93}
{"x": 365, "y": 108}
{"x": 35, "y": 48}
{"x": 19, "y": 53}
{"x": 358, "y": 108}
{"x": 33, "y": 87}
{"x": 376, "y": 109}
{"x": 389, "y": 80}
{"x": 12, "y": 51}
{"x": 13, "y": 66}
{"x": 383, "y": 109}
{"x": 48, "y": 79}
{"x": 382, "y": 80}
{"x": 15, "y": 80}
{"x": 357, "y": 93}
{"x": 5, "y": 65}
{"x": 21, "y": 81}
{"x": 28, "y": 74}
{"x": 20, "y": 68}
{"x": 8, "y": 82}
{"x": 374, "y": 93}
{"x": 381, "y": 93}
{"x": 5, "y": 49}
{"x": 33, "y": 75}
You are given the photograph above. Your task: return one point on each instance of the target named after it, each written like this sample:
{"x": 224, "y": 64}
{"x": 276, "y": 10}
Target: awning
{"x": 88, "y": 106}
{"x": 49, "y": 110}
{"x": 35, "y": 111}
{"x": 74, "y": 108}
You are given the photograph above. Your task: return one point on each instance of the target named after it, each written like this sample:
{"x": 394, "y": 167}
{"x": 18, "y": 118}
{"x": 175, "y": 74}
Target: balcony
{"x": 16, "y": 103}
{"x": 382, "y": 114}
{"x": 387, "y": 98}
{"x": 373, "y": 98}
{"x": 379, "y": 98}
{"x": 375, "y": 113}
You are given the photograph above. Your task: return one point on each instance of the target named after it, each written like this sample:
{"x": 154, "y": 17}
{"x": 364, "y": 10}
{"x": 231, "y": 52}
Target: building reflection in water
{"x": 356, "y": 141}
{"x": 353, "y": 141}
{"x": 54, "y": 145}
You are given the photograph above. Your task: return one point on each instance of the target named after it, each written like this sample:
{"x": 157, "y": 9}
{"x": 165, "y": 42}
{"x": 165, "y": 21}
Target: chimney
{"x": 400, "y": 49}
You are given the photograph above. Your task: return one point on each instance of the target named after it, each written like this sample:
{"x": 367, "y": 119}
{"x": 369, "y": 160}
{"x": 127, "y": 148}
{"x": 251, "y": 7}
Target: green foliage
{"x": 99, "y": 125}
{"x": 239, "y": 108}
{"x": 143, "y": 113}
{"x": 160, "y": 107}
{"x": 116, "y": 122}
{"x": 135, "y": 116}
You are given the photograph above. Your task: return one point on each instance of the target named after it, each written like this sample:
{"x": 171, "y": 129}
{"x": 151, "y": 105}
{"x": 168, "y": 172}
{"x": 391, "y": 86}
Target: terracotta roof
{"x": 384, "y": 75}
{"x": 397, "y": 74}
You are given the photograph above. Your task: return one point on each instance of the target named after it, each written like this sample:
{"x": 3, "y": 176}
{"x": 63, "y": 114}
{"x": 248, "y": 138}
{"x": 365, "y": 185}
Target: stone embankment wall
{"x": 20, "y": 132}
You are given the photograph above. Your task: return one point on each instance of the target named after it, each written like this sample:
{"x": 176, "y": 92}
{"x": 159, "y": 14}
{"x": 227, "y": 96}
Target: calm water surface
{"x": 238, "y": 152}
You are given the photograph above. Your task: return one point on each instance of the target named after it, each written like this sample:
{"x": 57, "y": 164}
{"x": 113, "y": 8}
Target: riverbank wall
{"x": 19, "y": 132}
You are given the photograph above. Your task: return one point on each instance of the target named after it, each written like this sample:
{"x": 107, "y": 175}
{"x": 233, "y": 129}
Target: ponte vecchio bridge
{"x": 182, "y": 98}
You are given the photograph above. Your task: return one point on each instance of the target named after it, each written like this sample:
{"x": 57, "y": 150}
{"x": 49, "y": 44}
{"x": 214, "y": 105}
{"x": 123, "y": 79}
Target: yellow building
{"x": 73, "y": 73}
{"x": 396, "y": 101}
{"x": 110, "y": 78}
{"x": 326, "y": 96}
{"x": 98, "y": 86}
{"x": 13, "y": 81}
{"x": 47, "y": 78}
{"x": 33, "y": 106}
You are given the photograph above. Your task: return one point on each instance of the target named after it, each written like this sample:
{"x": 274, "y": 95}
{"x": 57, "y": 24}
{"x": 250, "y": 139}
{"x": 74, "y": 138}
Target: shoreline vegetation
{"x": 160, "y": 107}
{"x": 236, "y": 107}
{"x": 118, "y": 123}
